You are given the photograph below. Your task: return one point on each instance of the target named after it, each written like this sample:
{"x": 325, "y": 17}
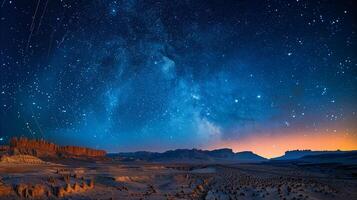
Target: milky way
{"x": 156, "y": 75}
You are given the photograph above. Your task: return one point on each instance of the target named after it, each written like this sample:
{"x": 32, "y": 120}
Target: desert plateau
{"x": 28, "y": 170}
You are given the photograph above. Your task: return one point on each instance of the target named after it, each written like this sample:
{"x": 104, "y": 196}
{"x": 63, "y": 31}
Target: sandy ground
{"x": 106, "y": 180}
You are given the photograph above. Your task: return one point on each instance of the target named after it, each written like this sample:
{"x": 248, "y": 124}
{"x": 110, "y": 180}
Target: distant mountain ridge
{"x": 300, "y": 154}
{"x": 191, "y": 155}
{"x": 345, "y": 157}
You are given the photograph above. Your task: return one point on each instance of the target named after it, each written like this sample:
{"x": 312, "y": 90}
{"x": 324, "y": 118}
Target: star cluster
{"x": 154, "y": 75}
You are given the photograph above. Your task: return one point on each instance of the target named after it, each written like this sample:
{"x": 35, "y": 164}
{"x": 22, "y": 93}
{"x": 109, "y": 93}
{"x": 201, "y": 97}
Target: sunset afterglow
{"x": 270, "y": 146}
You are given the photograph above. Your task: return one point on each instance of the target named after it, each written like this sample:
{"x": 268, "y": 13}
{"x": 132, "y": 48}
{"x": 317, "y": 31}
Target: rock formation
{"x": 55, "y": 187}
{"x": 20, "y": 159}
{"x": 42, "y": 148}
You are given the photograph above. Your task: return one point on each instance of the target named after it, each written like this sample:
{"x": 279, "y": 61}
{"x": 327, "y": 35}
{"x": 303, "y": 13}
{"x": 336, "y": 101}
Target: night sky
{"x": 128, "y": 75}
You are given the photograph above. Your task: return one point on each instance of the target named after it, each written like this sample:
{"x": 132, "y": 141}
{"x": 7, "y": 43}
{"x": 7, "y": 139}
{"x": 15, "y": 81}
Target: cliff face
{"x": 38, "y": 148}
{"x": 42, "y": 148}
{"x": 81, "y": 151}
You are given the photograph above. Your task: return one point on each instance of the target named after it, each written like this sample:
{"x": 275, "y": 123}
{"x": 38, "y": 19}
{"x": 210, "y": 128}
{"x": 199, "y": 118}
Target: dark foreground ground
{"x": 134, "y": 180}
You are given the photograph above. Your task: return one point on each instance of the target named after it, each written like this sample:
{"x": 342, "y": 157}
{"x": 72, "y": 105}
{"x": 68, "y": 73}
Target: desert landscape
{"x": 178, "y": 100}
{"x": 36, "y": 169}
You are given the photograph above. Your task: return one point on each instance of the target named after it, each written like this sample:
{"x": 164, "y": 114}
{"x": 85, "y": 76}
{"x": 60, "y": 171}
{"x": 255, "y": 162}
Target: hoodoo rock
{"x": 42, "y": 148}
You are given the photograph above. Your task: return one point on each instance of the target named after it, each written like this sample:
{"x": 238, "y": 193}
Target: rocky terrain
{"x": 43, "y": 185}
{"x": 135, "y": 181}
{"x": 173, "y": 175}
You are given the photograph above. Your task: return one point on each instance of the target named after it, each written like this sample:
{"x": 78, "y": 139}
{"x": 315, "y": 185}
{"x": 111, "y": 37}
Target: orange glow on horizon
{"x": 270, "y": 146}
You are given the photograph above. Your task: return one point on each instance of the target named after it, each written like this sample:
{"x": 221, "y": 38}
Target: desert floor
{"x": 136, "y": 180}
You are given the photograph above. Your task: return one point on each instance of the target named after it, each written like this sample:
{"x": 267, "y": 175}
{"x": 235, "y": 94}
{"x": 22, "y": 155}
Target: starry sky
{"x": 128, "y": 75}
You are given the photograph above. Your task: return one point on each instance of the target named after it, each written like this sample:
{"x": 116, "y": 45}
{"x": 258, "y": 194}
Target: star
{"x": 135, "y": 71}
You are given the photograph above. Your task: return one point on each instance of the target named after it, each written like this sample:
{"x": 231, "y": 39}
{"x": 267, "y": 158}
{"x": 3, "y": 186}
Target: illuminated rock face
{"x": 38, "y": 148}
{"x": 42, "y": 148}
